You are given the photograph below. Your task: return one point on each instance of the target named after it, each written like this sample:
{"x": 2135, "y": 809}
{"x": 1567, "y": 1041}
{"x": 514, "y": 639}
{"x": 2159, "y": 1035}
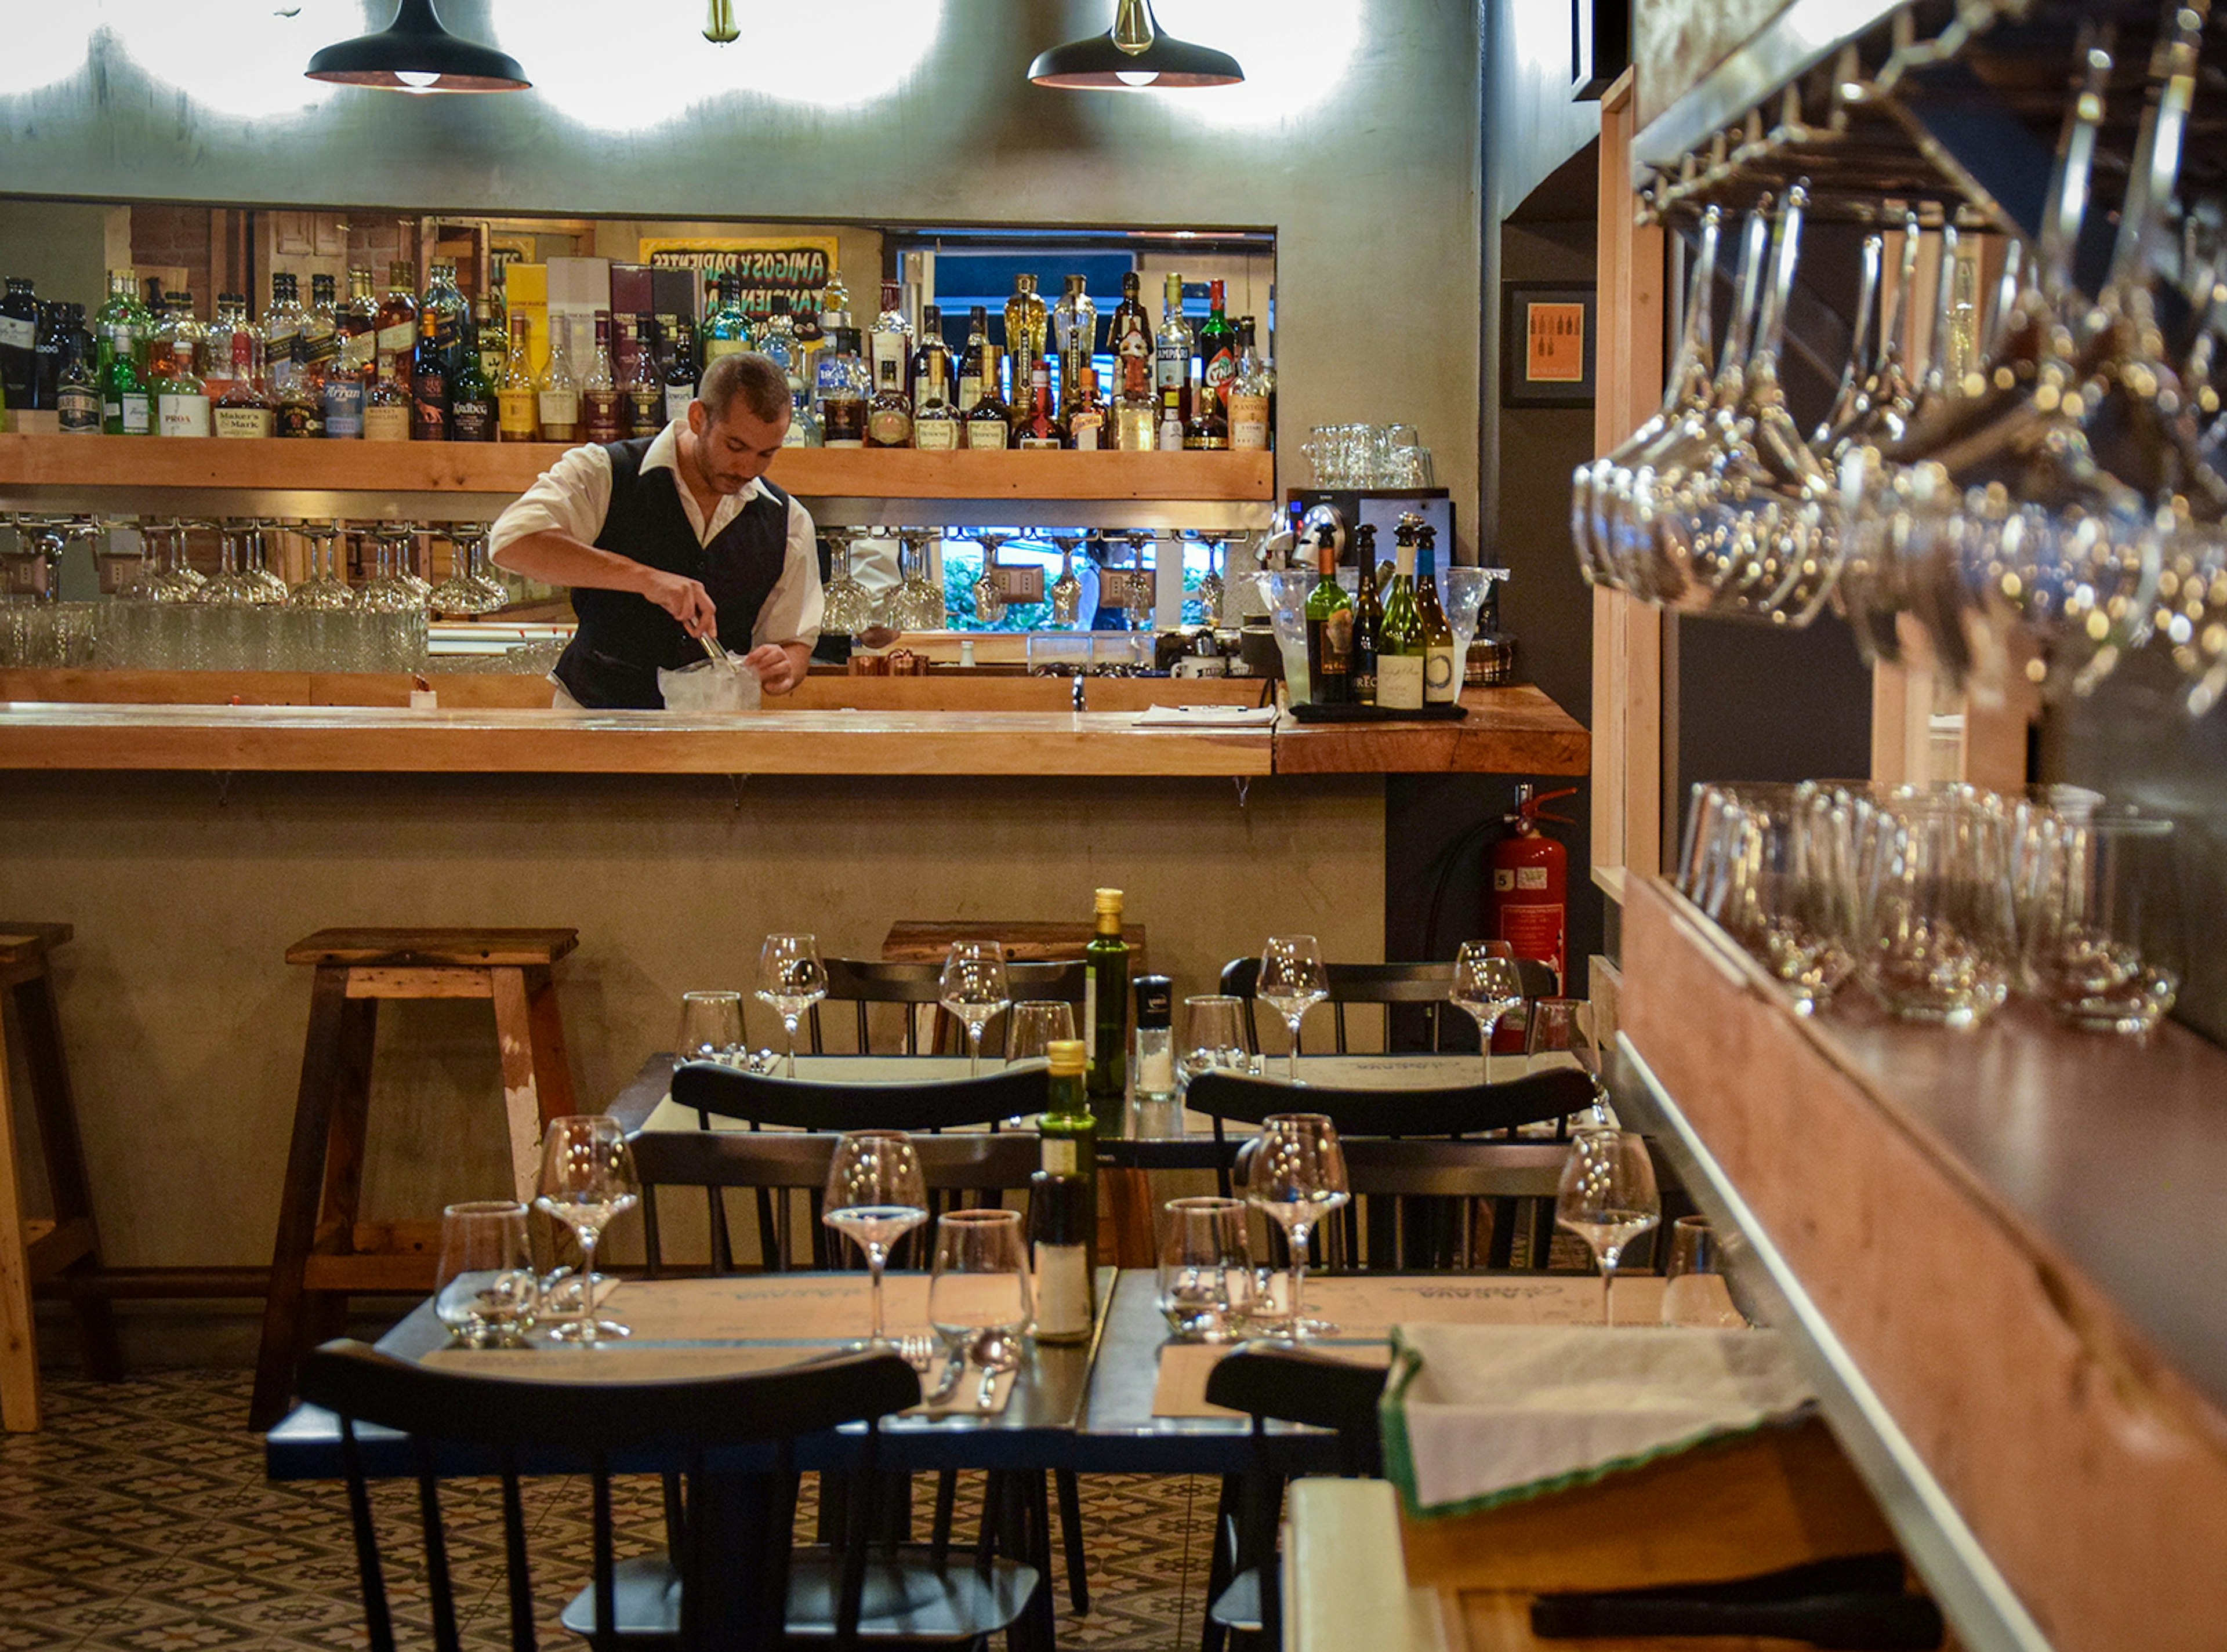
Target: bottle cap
{"x": 1109, "y": 900}
{"x": 1155, "y": 998}
{"x": 1065, "y": 1057}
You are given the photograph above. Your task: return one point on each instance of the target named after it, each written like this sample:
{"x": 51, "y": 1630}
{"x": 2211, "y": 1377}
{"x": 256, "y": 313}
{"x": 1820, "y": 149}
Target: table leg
{"x": 19, "y": 1351}
{"x": 64, "y": 1150}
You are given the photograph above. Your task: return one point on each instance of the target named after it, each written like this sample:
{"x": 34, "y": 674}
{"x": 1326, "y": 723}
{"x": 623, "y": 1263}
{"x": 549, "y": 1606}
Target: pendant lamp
{"x": 415, "y": 53}
{"x": 1132, "y": 56}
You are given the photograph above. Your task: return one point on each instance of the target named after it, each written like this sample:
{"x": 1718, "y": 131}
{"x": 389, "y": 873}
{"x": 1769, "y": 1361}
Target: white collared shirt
{"x": 574, "y": 494}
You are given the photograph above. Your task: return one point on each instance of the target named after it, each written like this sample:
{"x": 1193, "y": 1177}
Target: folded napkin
{"x": 1476, "y": 1416}
{"x": 1205, "y": 716}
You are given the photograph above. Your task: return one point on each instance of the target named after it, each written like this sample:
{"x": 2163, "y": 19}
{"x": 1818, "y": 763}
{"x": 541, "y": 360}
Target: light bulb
{"x": 416, "y": 79}
{"x": 1136, "y": 78}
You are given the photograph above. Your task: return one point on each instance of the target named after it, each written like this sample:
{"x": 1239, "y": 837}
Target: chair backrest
{"x": 798, "y": 1104}
{"x": 1427, "y": 984}
{"x": 860, "y": 982}
{"x": 727, "y": 1599}
{"x": 1469, "y": 1109}
{"x": 960, "y": 1170}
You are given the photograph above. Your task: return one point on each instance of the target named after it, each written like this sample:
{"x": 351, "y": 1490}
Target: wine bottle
{"x": 1062, "y": 1204}
{"x": 1106, "y": 1011}
{"x": 1367, "y": 620}
{"x": 1330, "y": 631}
{"x": 1401, "y": 650}
{"x": 1441, "y": 671}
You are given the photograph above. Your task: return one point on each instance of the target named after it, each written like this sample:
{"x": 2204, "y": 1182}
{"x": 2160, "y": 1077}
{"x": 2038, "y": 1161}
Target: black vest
{"x": 624, "y": 639}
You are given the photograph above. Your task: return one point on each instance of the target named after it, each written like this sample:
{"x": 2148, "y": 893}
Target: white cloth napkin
{"x": 1205, "y": 716}
{"x": 1479, "y": 1415}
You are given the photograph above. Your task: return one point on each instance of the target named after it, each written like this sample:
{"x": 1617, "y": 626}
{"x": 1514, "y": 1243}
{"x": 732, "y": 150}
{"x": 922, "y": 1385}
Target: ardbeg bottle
{"x": 1329, "y": 632}
{"x": 1368, "y": 619}
{"x": 1401, "y": 648}
{"x": 1062, "y": 1204}
{"x": 1106, "y": 1012}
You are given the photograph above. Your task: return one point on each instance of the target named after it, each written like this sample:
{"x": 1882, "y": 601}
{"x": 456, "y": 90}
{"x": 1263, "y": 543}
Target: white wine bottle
{"x": 1402, "y": 649}
{"x": 1441, "y": 671}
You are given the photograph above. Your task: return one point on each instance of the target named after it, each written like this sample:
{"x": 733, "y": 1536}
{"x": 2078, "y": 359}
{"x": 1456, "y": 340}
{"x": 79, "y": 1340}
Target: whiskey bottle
{"x": 397, "y": 344}
{"x": 1329, "y": 632}
{"x": 1441, "y": 672}
{"x": 246, "y": 409}
{"x": 557, "y": 392}
{"x": 971, "y": 358}
{"x": 1171, "y": 348}
{"x": 599, "y": 391}
{"x": 935, "y": 417}
{"x": 1367, "y": 618}
{"x": 1217, "y": 349}
{"x": 1075, "y": 334}
{"x": 1039, "y": 428}
{"x": 681, "y": 373}
{"x": 889, "y": 416}
{"x": 844, "y": 391}
{"x": 1086, "y": 416}
{"x": 348, "y": 381}
{"x": 491, "y": 338}
{"x": 215, "y": 356}
{"x": 19, "y": 344}
{"x": 518, "y": 398}
{"x": 77, "y": 397}
{"x": 1402, "y": 651}
{"x": 989, "y": 422}
{"x": 645, "y": 391}
{"x": 282, "y": 332}
{"x": 891, "y": 336}
{"x": 387, "y": 412}
{"x": 1246, "y": 402}
{"x": 472, "y": 413}
{"x": 429, "y": 375}
{"x": 1026, "y": 324}
{"x": 1206, "y": 430}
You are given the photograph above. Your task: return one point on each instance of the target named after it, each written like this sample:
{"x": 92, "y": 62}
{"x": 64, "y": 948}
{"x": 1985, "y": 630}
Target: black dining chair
{"x": 1389, "y": 985}
{"x": 734, "y": 1575}
{"x": 863, "y": 982}
{"x": 1243, "y": 1585}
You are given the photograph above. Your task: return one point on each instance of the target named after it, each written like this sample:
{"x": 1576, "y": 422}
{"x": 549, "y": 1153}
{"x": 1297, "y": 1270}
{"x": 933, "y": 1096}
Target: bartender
{"x": 669, "y": 538}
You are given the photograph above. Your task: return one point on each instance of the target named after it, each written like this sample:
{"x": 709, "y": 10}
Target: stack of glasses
{"x": 1941, "y": 901}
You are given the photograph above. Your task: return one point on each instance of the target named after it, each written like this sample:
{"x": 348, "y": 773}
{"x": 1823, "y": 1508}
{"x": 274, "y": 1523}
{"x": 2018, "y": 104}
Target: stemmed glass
{"x": 916, "y": 604}
{"x": 792, "y": 980}
{"x": 1298, "y": 1177}
{"x": 989, "y": 595}
{"x": 848, "y": 606}
{"x": 324, "y": 589}
{"x": 407, "y": 536}
{"x": 1211, "y": 589}
{"x": 1066, "y": 593}
{"x": 1608, "y": 1199}
{"x": 232, "y": 588}
{"x": 1488, "y": 984}
{"x": 876, "y": 1194}
{"x": 587, "y": 1179}
{"x": 484, "y": 1288}
{"x": 1138, "y": 607}
{"x": 1034, "y": 1025}
{"x": 711, "y": 1028}
{"x": 470, "y": 588}
{"x": 1292, "y": 981}
{"x": 384, "y": 592}
{"x": 979, "y": 1299}
{"x": 255, "y": 566}
{"x": 974, "y": 988}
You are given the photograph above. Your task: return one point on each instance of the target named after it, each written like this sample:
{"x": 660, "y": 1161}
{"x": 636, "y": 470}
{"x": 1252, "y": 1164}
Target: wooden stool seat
{"x": 66, "y": 1248}
{"x": 322, "y": 1252}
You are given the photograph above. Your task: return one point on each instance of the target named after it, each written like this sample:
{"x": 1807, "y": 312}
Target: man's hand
{"x": 779, "y": 666}
{"x": 684, "y": 599}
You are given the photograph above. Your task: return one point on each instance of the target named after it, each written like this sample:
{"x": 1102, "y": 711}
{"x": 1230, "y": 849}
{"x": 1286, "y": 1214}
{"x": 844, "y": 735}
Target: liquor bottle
{"x": 557, "y": 392}
{"x": 1403, "y": 652}
{"x": 282, "y": 332}
{"x": 473, "y": 415}
{"x": 1062, "y": 1212}
{"x": 889, "y": 414}
{"x": 1039, "y": 428}
{"x": 971, "y": 358}
{"x": 844, "y": 391}
{"x": 936, "y": 419}
{"x": 932, "y": 348}
{"x": 1367, "y": 618}
{"x": 174, "y": 330}
{"x": 126, "y": 409}
{"x": 1086, "y": 414}
{"x": 892, "y": 336}
{"x": 19, "y": 345}
{"x": 1129, "y": 339}
{"x": 318, "y": 347}
{"x": 1218, "y": 348}
{"x": 1106, "y": 1012}
{"x": 727, "y": 330}
{"x": 491, "y": 338}
{"x": 518, "y": 398}
{"x": 215, "y": 357}
{"x": 834, "y": 303}
{"x": 1074, "y": 335}
{"x": 1441, "y": 672}
{"x": 645, "y": 391}
{"x": 445, "y": 338}
{"x": 1329, "y": 632}
{"x": 1136, "y": 416}
{"x": 429, "y": 374}
{"x": 347, "y": 384}
{"x": 397, "y": 344}
{"x": 77, "y": 397}
{"x": 247, "y": 408}
{"x": 1246, "y": 402}
{"x": 1026, "y": 323}
{"x": 1171, "y": 366}
{"x": 182, "y": 403}
{"x": 1206, "y": 430}
{"x": 989, "y": 422}
{"x": 600, "y": 396}
{"x": 777, "y": 342}
{"x": 681, "y": 369}
{"x": 50, "y": 337}
{"x": 805, "y": 429}
{"x": 387, "y": 412}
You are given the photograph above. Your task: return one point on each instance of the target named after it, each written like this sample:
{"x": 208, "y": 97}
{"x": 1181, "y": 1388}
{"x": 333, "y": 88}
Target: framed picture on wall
{"x": 1546, "y": 345}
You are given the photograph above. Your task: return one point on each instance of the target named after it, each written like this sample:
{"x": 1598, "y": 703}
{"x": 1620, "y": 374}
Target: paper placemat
{"x": 614, "y": 1361}
{"x": 770, "y": 1307}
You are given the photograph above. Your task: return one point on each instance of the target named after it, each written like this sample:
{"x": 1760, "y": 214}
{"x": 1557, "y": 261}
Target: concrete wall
{"x": 184, "y": 1025}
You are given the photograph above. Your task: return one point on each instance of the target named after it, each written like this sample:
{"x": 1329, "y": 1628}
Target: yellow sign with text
{"x": 797, "y": 266}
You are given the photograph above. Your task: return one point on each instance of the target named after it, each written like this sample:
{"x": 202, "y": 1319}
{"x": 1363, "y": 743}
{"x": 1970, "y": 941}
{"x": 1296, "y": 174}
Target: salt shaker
{"x": 1155, "y": 1064}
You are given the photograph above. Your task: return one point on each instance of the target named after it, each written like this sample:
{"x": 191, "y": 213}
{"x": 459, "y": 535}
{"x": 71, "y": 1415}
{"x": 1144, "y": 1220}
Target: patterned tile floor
{"x": 139, "y": 1519}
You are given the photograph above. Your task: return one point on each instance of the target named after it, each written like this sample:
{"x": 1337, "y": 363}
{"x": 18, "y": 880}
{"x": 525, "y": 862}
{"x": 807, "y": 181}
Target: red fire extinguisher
{"x": 1527, "y": 895}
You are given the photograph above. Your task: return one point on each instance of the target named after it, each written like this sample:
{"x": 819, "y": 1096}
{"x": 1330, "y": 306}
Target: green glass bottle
{"x": 727, "y": 330}
{"x": 1106, "y": 1012}
{"x": 120, "y": 329}
{"x": 1368, "y": 619}
{"x": 1402, "y": 651}
{"x": 1329, "y": 632}
{"x": 1063, "y": 1202}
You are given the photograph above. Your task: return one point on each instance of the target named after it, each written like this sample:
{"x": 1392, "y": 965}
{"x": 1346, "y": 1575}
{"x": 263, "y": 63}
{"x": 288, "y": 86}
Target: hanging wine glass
{"x": 1066, "y": 592}
{"x": 848, "y": 606}
{"x": 409, "y": 538}
{"x": 468, "y": 590}
{"x": 255, "y": 565}
{"x": 324, "y": 589}
{"x": 230, "y": 588}
{"x": 989, "y": 595}
{"x": 1210, "y": 587}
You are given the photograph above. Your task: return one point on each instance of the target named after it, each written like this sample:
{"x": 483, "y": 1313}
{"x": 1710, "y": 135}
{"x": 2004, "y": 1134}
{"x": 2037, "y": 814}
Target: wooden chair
{"x": 1388, "y": 984}
{"x": 733, "y": 1577}
{"x": 1243, "y": 1585}
{"x": 65, "y": 1249}
{"x": 861, "y": 982}
{"x": 316, "y": 1258}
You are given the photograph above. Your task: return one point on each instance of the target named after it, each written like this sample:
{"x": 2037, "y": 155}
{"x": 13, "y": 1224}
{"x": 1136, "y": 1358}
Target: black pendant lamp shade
{"x": 1132, "y": 56}
{"x": 415, "y": 53}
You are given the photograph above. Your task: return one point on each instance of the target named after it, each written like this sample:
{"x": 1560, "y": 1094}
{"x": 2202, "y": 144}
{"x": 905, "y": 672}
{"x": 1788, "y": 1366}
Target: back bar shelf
{"x": 472, "y": 481}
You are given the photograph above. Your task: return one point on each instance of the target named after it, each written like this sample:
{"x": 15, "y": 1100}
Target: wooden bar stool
{"x": 319, "y": 1256}
{"x": 67, "y": 1247}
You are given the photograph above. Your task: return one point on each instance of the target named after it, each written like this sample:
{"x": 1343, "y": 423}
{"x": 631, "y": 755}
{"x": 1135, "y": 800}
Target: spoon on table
{"x": 996, "y": 1351}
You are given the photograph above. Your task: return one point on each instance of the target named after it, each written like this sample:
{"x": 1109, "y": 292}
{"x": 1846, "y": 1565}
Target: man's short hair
{"x": 756, "y": 380}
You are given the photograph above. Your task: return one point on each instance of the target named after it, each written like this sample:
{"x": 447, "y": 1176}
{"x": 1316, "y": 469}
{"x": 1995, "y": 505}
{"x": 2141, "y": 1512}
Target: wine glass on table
{"x": 1298, "y": 1177}
{"x": 711, "y": 1028}
{"x": 1292, "y": 981}
{"x": 1489, "y": 986}
{"x": 1608, "y": 1198}
{"x": 979, "y": 1299}
{"x": 587, "y": 1179}
{"x": 792, "y": 980}
{"x": 876, "y": 1194}
{"x": 974, "y": 988}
